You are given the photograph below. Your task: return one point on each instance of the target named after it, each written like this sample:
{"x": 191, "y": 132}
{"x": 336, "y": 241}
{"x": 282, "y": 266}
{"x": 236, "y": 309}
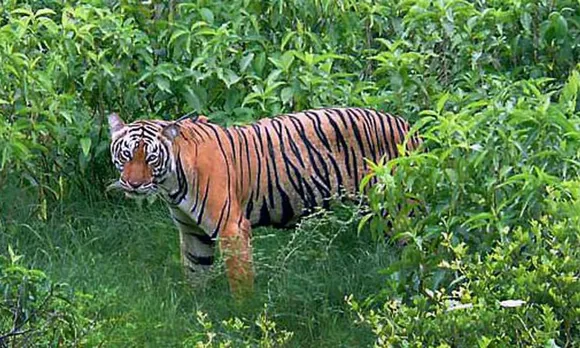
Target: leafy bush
{"x": 65, "y": 65}
{"x": 491, "y": 85}
{"x": 524, "y": 291}
{"x": 34, "y": 311}
{"x": 497, "y": 193}
{"x": 236, "y": 332}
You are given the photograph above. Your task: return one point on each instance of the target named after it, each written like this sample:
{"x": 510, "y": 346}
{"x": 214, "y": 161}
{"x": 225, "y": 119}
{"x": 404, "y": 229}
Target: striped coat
{"x": 222, "y": 181}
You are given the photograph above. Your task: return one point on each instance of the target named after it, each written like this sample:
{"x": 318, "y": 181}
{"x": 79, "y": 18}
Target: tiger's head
{"x": 142, "y": 152}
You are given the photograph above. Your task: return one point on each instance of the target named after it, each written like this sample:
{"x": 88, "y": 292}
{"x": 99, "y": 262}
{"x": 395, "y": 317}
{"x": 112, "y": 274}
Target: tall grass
{"x": 491, "y": 85}
{"x": 127, "y": 257}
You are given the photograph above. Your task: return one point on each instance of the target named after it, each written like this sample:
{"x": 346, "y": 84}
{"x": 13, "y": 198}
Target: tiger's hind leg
{"x": 236, "y": 248}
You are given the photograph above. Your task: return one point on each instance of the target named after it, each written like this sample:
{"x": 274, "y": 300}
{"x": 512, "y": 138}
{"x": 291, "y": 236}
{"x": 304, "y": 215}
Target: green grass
{"x": 128, "y": 257}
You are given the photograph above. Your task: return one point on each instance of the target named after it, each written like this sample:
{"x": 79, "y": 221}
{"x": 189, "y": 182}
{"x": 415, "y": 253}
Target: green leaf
{"x": 207, "y": 15}
{"x": 177, "y": 35}
{"x": 559, "y": 24}
{"x": 20, "y": 148}
{"x": 478, "y": 219}
{"x": 191, "y": 98}
{"x": 363, "y": 221}
{"x": 4, "y": 157}
{"x": 22, "y": 11}
{"x": 246, "y": 61}
{"x": 228, "y": 76}
{"x": 12, "y": 255}
{"x": 259, "y": 62}
{"x": 44, "y": 11}
{"x": 570, "y": 90}
{"x": 441, "y": 102}
{"x": 86, "y": 146}
{"x": 163, "y": 84}
{"x": 286, "y": 38}
{"x": 286, "y": 94}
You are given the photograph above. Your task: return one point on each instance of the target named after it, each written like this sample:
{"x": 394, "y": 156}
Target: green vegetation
{"x": 484, "y": 226}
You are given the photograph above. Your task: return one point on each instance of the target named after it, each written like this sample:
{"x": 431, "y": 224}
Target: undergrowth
{"x": 482, "y": 222}
{"x": 132, "y": 274}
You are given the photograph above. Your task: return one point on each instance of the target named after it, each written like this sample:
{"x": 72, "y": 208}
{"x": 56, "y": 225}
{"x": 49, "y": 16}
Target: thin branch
{"x": 12, "y": 334}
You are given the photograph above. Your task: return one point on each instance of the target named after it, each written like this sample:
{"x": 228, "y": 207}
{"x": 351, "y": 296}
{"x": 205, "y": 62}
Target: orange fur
{"x": 226, "y": 180}
{"x": 136, "y": 171}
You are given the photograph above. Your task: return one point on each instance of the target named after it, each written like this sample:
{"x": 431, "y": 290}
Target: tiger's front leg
{"x": 197, "y": 251}
{"x": 197, "y": 256}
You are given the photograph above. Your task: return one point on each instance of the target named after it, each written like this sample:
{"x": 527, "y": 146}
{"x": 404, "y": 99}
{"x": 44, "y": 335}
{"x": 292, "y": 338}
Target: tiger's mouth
{"x": 139, "y": 194}
{"x": 133, "y": 192}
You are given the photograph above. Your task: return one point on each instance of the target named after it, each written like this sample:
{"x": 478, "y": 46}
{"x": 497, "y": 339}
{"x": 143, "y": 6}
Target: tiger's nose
{"x": 135, "y": 184}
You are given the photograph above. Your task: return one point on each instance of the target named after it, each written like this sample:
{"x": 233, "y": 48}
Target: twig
{"x": 12, "y": 334}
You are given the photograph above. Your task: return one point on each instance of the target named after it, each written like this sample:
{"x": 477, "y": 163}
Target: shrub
{"x": 35, "y": 311}
{"x": 524, "y": 291}
{"x": 236, "y": 332}
{"x": 494, "y": 224}
{"x": 66, "y": 65}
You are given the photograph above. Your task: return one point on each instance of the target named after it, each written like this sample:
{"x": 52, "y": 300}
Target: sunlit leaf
{"x": 86, "y": 146}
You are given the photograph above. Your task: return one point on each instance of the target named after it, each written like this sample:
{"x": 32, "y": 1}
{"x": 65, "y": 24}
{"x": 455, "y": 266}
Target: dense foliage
{"x": 36, "y": 311}
{"x": 492, "y": 86}
{"x": 496, "y": 222}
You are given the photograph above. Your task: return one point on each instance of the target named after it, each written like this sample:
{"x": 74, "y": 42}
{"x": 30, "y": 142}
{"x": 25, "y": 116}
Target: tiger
{"x": 220, "y": 182}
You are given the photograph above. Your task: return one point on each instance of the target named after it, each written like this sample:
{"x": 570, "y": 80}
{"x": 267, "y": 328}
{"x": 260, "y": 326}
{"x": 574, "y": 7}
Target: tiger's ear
{"x": 115, "y": 123}
{"x": 171, "y": 131}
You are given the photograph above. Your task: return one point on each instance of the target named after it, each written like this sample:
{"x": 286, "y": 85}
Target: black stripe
{"x": 318, "y": 129}
{"x": 196, "y": 193}
{"x": 249, "y": 209}
{"x": 287, "y": 211}
{"x": 240, "y": 161}
{"x": 198, "y": 136}
{"x": 355, "y": 129}
{"x": 395, "y": 151}
{"x": 323, "y": 186}
{"x": 355, "y": 169}
{"x": 366, "y": 128}
{"x": 375, "y": 131}
{"x": 178, "y": 196}
{"x": 287, "y": 162}
{"x": 387, "y": 139}
{"x": 203, "y": 238}
{"x": 299, "y": 183}
{"x": 200, "y": 260}
{"x": 256, "y": 135}
{"x": 264, "y": 219}
{"x": 293, "y": 147}
{"x": 227, "y": 204}
{"x": 398, "y": 122}
{"x": 202, "y": 127}
{"x": 247, "y": 152}
{"x": 204, "y": 202}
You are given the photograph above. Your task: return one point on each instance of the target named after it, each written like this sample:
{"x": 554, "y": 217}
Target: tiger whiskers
{"x": 115, "y": 186}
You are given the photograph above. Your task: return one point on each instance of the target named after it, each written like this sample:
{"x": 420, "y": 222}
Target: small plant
{"x": 524, "y": 291}
{"x": 36, "y": 311}
{"x": 236, "y": 332}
